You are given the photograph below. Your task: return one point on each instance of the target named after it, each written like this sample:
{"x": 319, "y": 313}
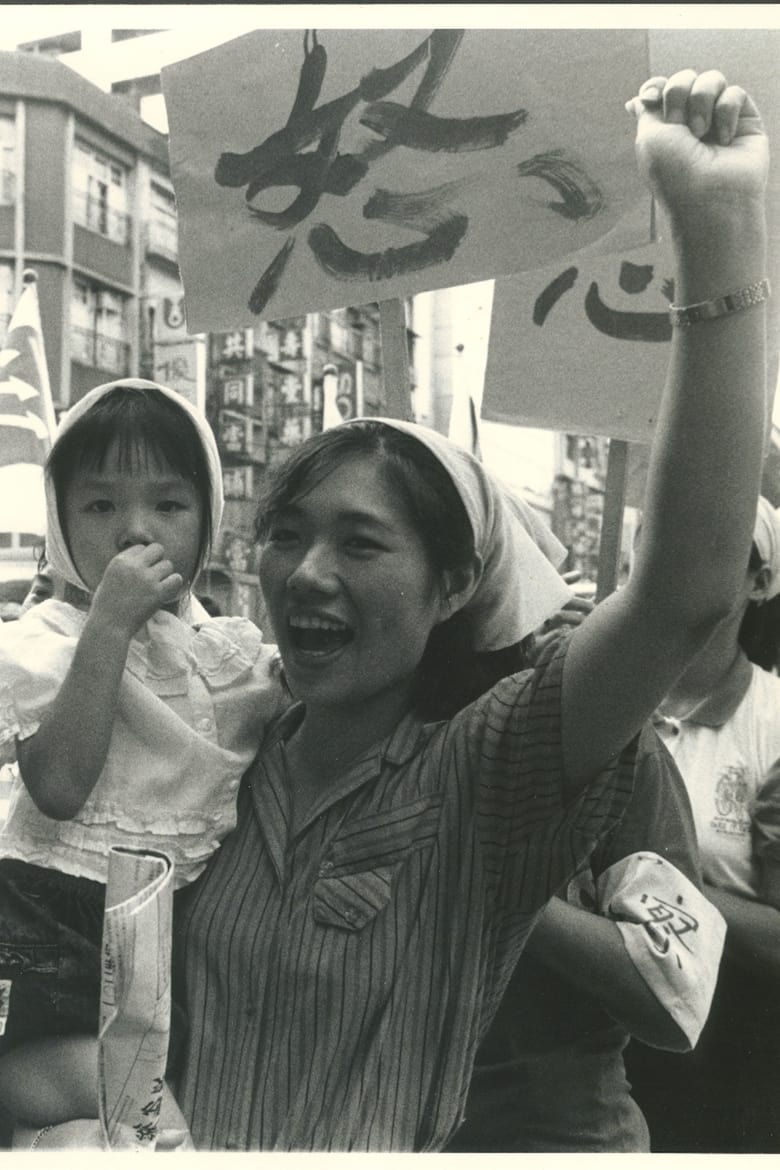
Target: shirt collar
{"x": 398, "y": 747}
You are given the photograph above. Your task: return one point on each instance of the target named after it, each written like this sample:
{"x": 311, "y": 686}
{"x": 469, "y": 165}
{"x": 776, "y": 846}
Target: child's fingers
{"x": 173, "y": 1140}
{"x": 151, "y": 554}
{"x": 171, "y": 586}
{"x": 142, "y": 554}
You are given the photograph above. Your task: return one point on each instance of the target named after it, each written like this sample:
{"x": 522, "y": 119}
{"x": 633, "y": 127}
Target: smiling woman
{"x": 353, "y": 594}
{"x": 375, "y": 540}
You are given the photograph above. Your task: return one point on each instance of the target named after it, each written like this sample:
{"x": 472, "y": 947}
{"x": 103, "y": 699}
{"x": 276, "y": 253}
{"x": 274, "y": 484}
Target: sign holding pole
{"x": 612, "y": 518}
{"x": 395, "y": 360}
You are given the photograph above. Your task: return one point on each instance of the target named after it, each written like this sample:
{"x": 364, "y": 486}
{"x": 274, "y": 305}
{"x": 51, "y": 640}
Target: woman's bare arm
{"x": 704, "y": 475}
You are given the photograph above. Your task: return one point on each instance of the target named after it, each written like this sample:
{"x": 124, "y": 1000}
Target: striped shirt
{"x": 339, "y": 979}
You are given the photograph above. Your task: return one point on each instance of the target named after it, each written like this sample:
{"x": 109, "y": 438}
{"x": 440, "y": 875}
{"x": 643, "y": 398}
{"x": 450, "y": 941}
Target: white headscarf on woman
{"x": 520, "y": 585}
{"x": 766, "y": 537}
{"x": 57, "y": 551}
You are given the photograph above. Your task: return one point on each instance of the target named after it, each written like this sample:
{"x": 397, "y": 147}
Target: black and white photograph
{"x": 390, "y": 582}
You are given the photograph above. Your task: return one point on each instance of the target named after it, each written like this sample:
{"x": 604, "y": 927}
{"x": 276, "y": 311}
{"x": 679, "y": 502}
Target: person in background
{"x": 721, "y": 724}
{"x": 43, "y": 585}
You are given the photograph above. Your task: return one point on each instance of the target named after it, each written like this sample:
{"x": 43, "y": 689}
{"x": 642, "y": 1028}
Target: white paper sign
{"x": 583, "y": 346}
{"x": 318, "y": 170}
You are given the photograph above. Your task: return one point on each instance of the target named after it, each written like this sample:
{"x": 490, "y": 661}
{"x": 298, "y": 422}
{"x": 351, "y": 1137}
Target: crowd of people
{"x": 440, "y": 884}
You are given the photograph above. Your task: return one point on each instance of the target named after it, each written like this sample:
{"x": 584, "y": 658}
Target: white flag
{"x": 27, "y": 420}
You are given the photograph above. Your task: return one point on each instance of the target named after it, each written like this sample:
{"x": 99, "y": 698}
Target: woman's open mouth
{"x": 317, "y": 635}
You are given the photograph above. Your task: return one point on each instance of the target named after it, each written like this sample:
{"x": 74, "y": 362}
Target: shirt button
{"x": 205, "y": 725}
{"x": 350, "y": 916}
{"x": 326, "y": 867}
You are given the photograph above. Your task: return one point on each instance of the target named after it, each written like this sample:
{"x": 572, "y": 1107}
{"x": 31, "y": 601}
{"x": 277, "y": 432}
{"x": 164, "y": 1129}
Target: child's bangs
{"x": 145, "y": 430}
{"x": 148, "y": 442}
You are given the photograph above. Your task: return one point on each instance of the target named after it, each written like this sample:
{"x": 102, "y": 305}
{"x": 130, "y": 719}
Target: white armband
{"x": 674, "y": 936}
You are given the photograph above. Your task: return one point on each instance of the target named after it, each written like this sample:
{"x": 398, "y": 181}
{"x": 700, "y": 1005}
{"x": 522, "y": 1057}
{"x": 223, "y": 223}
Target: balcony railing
{"x": 100, "y": 351}
{"x": 99, "y": 217}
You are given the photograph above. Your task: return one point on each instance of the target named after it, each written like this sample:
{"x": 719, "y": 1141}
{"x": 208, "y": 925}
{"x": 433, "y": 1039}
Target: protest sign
{"x": 582, "y": 347}
{"x": 318, "y": 170}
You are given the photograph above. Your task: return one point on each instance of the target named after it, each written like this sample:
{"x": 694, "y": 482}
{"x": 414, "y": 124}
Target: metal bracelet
{"x": 733, "y": 302}
{"x": 40, "y": 1134}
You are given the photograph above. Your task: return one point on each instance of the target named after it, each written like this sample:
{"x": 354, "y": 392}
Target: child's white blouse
{"x": 193, "y": 703}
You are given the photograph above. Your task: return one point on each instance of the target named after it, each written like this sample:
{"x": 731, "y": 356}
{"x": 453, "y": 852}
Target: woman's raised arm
{"x": 702, "y": 150}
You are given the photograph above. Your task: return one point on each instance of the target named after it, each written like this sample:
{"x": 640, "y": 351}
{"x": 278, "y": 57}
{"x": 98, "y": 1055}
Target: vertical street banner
{"x": 175, "y": 356}
{"x": 27, "y": 421}
{"x": 322, "y": 168}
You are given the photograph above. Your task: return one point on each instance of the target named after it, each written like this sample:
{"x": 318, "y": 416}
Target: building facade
{"x": 86, "y": 201}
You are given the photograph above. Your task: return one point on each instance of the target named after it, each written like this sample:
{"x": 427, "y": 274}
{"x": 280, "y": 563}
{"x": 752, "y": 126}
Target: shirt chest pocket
{"x": 360, "y": 866}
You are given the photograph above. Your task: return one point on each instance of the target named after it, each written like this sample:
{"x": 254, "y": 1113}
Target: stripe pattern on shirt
{"x": 339, "y": 979}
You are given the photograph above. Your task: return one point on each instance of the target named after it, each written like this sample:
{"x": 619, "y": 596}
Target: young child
{"x": 129, "y": 713}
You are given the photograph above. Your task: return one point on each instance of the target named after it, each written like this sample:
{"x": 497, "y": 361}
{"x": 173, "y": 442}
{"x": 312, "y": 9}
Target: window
{"x": 100, "y": 194}
{"x": 99, "y": 328}
{"x": 371, "y": 343}
{"x": 162, "y": 231}
{"x": 340, "y": 331}
{"x": 7, "y": 160}
{"x": 323, "y": 329}
{"x": 163, "y": 203}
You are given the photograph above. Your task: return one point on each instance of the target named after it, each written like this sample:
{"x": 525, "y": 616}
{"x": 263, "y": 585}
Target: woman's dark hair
{"x": 450, "y": 673}
{"x": 759, "y": 634}
{"x": 144, "y": 424}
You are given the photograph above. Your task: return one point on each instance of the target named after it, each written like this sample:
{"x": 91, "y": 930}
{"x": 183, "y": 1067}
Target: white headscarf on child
{"x": 766, "y": 537}
{"x": 57, "y": 552}
{"x": 520, "y": 585}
